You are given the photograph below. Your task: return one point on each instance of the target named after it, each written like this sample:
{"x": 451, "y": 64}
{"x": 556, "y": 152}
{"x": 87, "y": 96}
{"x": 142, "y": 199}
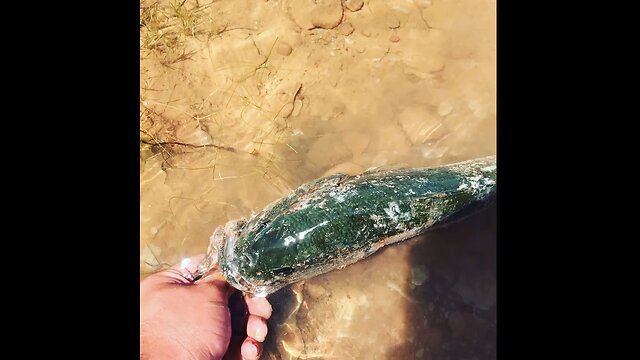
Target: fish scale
{"x": 335, "y": 221}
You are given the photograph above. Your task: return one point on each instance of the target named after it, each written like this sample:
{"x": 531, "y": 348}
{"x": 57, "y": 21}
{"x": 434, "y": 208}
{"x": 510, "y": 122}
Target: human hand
{"x": 183, "y": 319}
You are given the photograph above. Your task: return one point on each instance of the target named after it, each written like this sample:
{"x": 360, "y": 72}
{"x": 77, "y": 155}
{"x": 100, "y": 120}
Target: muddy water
{"x": 242, "y": 101}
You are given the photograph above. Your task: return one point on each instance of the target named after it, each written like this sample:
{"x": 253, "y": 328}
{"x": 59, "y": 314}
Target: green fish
{"x": 338, "y": 220}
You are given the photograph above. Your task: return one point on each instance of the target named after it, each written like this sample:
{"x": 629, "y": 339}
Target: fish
{"x": 335, "y": 221}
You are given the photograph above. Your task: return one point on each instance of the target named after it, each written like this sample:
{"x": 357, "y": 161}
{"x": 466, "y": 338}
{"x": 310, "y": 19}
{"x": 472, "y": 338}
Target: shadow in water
{"x": 431, "y": 297}
{"x": 454, "y": 279}
{"x": 285, "y": 303}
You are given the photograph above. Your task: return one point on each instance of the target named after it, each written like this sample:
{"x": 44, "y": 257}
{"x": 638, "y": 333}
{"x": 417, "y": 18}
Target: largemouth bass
{"x": 335, "y": 221}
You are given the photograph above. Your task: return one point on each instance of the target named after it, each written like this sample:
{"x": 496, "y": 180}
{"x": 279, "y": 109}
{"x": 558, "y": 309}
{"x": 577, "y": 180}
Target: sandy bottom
{"x": 242, "y": 101}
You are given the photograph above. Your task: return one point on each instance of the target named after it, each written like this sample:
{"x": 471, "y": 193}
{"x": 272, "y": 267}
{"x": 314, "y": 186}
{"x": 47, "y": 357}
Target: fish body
{"x": 335, "y": 221}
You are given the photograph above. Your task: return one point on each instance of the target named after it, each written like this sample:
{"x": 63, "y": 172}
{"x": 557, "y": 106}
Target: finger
{"x": 258, "y": 306}
{"x": 216, "y": 279}
{"x": 257, "y": 328}
{"x": 250, "y": 349}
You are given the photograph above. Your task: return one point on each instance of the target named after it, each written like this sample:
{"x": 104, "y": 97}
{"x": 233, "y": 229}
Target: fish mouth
{"x": 224, "y": 240}
{"x": 221, "y": 243}
{"x": 221, "y": 253}
{"x": 227, "y": 241}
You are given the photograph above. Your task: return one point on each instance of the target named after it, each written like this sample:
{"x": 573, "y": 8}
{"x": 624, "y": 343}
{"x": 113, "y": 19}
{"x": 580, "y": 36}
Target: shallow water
{"x": 242, "y": 101}
{"x": 432, "y": 297}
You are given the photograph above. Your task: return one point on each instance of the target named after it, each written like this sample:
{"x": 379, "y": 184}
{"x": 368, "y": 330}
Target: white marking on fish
{"x": 393, "y": 211}
{"x": 339, "y": 197}
{"x": 475, "y": 181}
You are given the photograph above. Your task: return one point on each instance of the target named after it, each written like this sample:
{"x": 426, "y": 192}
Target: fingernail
{"x": 250, "y": 349}
{"x": 261, "y": 333}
